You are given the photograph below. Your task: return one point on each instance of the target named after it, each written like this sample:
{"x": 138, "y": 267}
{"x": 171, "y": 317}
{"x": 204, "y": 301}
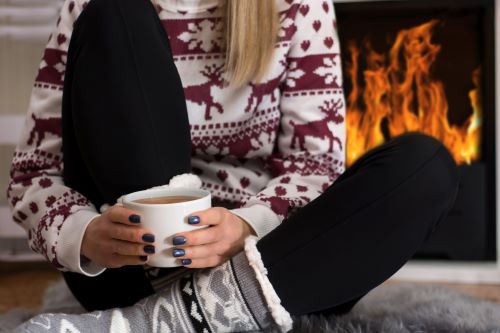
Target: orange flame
{"x": 404, "y": 96}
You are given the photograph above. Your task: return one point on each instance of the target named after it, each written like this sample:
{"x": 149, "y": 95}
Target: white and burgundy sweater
{"x": 282, "y": 141}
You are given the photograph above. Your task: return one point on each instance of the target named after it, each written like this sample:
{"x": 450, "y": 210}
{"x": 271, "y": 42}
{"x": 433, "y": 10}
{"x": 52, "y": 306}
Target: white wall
{"x": 24, "y": 29}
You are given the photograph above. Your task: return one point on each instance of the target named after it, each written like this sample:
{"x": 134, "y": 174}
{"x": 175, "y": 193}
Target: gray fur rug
{"x": 402, "y": 308}
{"x": 408, "y": 307}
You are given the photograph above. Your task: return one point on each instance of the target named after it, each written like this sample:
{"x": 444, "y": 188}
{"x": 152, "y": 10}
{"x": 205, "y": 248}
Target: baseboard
{"x": 452, "y": 272}
{"x": 21, "y": 257}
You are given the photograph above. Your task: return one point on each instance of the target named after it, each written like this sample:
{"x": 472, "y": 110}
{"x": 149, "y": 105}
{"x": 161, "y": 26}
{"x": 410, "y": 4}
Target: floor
{"x": 22, "y": 285}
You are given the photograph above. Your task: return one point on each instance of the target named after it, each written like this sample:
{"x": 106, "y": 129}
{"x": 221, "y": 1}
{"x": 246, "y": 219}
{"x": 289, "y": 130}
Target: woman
{"x": 251, "y": 103}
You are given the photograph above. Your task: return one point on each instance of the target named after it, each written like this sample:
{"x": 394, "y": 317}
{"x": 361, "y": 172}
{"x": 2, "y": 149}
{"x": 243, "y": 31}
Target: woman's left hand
{"x": 212, "y": 246}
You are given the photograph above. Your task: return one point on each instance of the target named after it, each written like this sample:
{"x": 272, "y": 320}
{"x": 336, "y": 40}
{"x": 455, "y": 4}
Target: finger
{"x": 119, "y": 260}
{"x": 203, "y": 263}
{"x": 195, "y": 252}
{"x": 201, "y": 236}
{"x": 131, "y": 249}
{"x": 131, "y": 234}
{"x": 211, "y": 216}
{"x": 119, "y": 214}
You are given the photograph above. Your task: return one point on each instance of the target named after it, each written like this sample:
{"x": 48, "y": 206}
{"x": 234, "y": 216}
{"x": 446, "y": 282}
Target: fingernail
{"x": 179, "y": 240}
{"x": 186, "y": 262}
{"x": 179, "y": 252}
{"x": 149, "y": 249}
{"x": 148, "y": 238}
{"x": 134, "y": 218}
{"x": 194, "y": 219}
{"x": 143, "y": 258}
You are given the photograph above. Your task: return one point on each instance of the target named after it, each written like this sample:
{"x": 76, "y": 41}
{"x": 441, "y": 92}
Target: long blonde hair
{"x": 250, "y": 34}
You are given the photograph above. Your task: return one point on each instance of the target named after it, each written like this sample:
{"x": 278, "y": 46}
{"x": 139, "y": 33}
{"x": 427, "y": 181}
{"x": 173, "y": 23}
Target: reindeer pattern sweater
{"x": 267, "y": 148}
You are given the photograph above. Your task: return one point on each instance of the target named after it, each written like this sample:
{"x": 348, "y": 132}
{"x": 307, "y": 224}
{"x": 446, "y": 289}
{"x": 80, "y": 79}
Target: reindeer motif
{"x": 278, "y": 205}
{"x": 319, "y": 128}
{"x": 238, "y": 146}
{"x": 43, "y": 126}
{"x": 242, "y": 147}
{"x": 202, "y": 94}
{"x": 263, "y": 89}
{"x": 331, "y": 109}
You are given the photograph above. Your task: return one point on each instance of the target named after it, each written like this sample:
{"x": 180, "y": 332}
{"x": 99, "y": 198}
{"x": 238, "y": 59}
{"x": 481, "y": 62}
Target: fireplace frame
{"x": 465, "y": 272}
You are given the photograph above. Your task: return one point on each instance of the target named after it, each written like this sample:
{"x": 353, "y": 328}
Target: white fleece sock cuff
{"x": 280, "y": 315}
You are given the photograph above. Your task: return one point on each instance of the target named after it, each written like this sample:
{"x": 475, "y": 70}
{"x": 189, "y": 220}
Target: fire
{"x": 400, "y": 95}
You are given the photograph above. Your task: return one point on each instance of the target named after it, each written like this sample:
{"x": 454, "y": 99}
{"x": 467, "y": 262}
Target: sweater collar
{"x": 188, "y": 6}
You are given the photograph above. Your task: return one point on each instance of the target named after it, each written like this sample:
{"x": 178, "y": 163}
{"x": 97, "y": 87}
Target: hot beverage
{"x": 165, "y": 212}
{"x": 165, "y": 200}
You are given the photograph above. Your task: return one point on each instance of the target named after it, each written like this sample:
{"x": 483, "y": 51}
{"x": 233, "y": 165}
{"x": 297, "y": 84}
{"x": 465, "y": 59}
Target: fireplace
{"x": 429, "y": 66}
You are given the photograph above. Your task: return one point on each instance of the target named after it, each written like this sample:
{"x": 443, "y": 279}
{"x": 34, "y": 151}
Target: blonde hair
{"x": 250, "y": 35}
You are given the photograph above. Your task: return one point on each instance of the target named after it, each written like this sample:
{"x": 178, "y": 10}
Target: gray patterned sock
{"x": 163, "y": 312}
{"x": 233, "y": 297}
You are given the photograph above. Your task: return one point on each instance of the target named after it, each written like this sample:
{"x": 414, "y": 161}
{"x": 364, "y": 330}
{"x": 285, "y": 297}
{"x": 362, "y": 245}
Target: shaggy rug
{"x": 402, "y": 307}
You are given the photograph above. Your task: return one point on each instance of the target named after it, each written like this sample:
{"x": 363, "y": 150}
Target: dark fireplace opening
{"x": 428, "y": 66}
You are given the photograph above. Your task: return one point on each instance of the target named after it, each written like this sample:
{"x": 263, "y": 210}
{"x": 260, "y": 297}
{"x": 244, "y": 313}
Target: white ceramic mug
{"x": 166, "y": 220}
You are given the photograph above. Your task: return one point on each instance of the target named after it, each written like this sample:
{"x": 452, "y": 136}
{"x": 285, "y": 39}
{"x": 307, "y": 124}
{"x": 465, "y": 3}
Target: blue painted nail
{"x": 149, "y": 249}
{"x": 194, "y": 219}
{"x": 179, "y": 252}
{"x": 186, "y": 262}
{"x": 134, "y": 218}
{"x": 148, "y": 238}
{"x": 179, "y": 240}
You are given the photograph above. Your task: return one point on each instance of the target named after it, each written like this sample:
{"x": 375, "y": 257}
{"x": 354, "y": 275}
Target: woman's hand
{"x": 212, "y": 246}
{"x": 115, "y": 239}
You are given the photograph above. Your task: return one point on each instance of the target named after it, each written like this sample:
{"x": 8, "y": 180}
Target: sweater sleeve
{"x": 310, "y": 151}
{"x": 54, "y": 216}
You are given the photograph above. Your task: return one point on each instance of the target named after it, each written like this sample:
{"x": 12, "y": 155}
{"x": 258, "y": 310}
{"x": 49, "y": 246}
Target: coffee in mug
{"x": 166, "y": 200}
{"x": 165, "y": 213}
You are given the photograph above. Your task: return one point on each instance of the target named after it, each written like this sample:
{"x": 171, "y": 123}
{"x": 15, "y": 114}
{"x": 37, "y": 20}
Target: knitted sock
{"x": 233, "y": 297}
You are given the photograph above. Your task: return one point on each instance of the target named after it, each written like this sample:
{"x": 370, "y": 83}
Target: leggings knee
{"x": 418, "y": 149}
{"x": 107, "y": 17}
{"x": 418, "y": 144}
{"x": 444, "y": 175}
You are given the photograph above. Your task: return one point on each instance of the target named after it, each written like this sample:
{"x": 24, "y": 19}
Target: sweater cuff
{"x": 260, "y": 217}
{"x": 70, "y": 243}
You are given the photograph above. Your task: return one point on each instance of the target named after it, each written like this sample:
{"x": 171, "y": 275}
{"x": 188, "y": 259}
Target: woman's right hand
{"x": 115, "y": 239}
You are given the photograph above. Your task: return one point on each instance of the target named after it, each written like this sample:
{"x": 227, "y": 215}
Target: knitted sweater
{"x": 267, "y": 148}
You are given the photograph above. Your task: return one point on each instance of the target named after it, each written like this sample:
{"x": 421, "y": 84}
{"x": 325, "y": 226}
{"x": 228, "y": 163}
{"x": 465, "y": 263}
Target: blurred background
{"x": 25, "y": 26}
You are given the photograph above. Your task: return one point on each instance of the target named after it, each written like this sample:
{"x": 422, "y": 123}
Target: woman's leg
{"x": 125, "y": 124}
{"x": 204, "y": 301}
{"x": 323, "y": 258}
{"x": 363, "y": 228}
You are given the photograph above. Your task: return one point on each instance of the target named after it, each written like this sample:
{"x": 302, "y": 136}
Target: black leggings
{"x": 125, "y": 128}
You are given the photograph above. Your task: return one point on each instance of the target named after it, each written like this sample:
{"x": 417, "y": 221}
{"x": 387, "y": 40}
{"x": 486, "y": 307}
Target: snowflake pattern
{"x": 325, "y": 72}
{"x": 201, "y": 35}
{"x": 295, "y": 72}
